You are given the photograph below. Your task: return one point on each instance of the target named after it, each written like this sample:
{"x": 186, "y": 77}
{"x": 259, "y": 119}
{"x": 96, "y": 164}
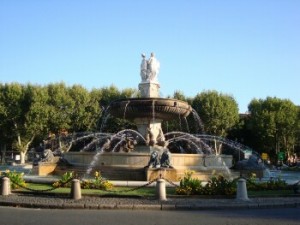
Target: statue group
{"x": 149, "y": 68}
{"x": 157, "y": 161}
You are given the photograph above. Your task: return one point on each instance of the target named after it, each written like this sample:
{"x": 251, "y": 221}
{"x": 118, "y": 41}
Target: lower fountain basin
{"x": 131, "y": 166}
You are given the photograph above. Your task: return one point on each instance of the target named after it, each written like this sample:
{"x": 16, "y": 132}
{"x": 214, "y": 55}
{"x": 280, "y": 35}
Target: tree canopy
{"x": 218, "y": 111}
{"x": 30, "y": 114}
{"x": 275, "y": 123}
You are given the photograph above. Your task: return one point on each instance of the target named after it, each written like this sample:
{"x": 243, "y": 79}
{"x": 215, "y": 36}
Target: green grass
{"x": 145, "y": 191}
{"x": 271, "y": 193}
{"x": 118, "y": 191}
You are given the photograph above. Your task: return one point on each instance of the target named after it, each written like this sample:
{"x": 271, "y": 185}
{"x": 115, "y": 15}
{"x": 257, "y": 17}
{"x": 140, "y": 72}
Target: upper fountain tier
{"x": 150, "y": 108}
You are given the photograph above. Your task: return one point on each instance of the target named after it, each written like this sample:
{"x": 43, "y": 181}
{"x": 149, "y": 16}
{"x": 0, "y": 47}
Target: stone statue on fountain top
{"x": 143, "y": 72}
{"x": 149, "y": 69}
{"x": 149, "y": 87}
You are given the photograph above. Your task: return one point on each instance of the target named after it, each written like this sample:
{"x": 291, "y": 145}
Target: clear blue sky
{"x": 247, "y": 49}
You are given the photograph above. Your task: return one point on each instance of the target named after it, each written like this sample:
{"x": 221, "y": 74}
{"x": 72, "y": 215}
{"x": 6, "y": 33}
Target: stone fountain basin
{"x": 150, "y": 108}
{"x": 131, "y": 166}
{"x": 137, "y": 159}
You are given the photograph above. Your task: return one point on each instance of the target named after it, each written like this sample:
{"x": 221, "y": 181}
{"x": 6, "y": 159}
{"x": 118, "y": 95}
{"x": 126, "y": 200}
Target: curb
{"x": 162, "y": 206}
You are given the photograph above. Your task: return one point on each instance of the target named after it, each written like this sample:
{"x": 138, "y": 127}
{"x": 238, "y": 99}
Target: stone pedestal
{"x": 149, "y": 89}
{"x": 44, "y": 169}
{"x": 165, "y": 173}
{"x": 150, "y": 128}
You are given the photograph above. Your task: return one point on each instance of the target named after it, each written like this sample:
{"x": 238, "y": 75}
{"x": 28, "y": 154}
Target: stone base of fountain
{"x": 132, "y": 166}
{"x": 146, "y": 149}
{"x": 44, "y": 169}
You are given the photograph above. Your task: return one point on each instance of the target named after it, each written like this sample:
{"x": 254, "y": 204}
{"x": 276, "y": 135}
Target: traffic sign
{"x": 264, "y": 156}
{"x": 280, "y": 155}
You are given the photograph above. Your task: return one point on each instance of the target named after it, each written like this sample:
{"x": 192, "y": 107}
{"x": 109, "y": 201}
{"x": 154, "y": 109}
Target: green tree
{"x": 275, "y": 123}
{"x": 242, "y": 132}
{"x": 106, "y": 96}
{"x": 219, "y": 113}
{"x": 5, "y": 132}
{"x": 129, "y": 93}
{"x": 24, "y": 114}
{"x": 297, "y": 147}
{"x": 85, "y": 109}
{"x": 61, "y": 106}
{"x": 179, "y": 95}
{"x": 6, "y": 135}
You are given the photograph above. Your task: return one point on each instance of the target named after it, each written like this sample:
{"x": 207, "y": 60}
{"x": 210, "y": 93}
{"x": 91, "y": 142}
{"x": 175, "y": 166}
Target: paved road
{"x": 23, "y": 216}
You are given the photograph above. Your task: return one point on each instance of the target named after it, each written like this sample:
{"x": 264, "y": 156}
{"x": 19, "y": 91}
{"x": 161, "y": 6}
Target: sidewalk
{"x": 136, "y": 203}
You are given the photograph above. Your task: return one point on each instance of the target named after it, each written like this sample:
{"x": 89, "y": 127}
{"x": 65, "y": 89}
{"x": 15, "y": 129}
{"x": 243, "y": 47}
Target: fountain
{"x": 148, "y": 153}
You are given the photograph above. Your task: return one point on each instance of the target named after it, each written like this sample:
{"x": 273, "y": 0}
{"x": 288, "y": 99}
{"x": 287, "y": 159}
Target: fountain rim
{"x": 149, "y": 99}
{"x": 180, "y": 107}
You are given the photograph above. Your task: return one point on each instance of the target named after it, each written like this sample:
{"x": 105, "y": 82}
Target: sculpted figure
{"x": 165, "y": 160}
{"x": 144, "y": 68}
{"x": 48, "y": 156}
{"x": 157, "y": 162}
{"x": 153, "y": 68}
{"x": 129, "y": 144}
{"x": 160, "y": 140}
{"x": 149, "y": 68}
{"x": 154, "y": 160}
{"x": 150, "y": 137}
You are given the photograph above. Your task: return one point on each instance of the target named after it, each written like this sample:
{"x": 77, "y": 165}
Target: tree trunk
{"x": 22, "y": 155}
{"x": 218, "y": 147}
{"x": 3, "y": 153}
{"x": 23, "y": 148}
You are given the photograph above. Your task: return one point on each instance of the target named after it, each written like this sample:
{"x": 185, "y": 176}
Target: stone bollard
{"x": 5, "y": 190}
{"x": 241, "y": 192}
{"x": 161, "y": 189}
{"x": 76, "y": 189}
